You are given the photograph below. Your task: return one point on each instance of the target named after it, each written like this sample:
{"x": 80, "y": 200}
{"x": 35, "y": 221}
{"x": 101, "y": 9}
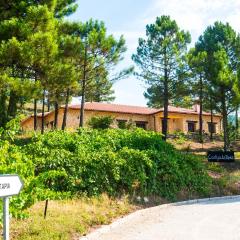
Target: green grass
{"x": 68, "y": 219}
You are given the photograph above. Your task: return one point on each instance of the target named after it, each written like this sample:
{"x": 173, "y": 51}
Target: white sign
{"x": 10, "y": 185}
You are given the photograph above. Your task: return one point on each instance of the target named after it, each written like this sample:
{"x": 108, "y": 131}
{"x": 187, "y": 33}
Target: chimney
{"x": 196, "y": 108}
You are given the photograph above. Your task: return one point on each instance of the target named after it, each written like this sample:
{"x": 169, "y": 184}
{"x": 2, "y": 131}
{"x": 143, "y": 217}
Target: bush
{"x": 60, "y": 165}
{"x": 117, "y": 161}
{"x": 130, "y": 125}
{"x": 180, "y": 137}
{"x": 100, "y": 122}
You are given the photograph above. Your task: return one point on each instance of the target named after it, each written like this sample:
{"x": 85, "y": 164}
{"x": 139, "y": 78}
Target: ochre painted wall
{"x": 28, "y": 124}
{"x": 176, "y": 121}
{"x": 73, "y": 119}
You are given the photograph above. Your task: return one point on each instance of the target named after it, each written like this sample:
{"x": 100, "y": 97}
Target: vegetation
{"x": 221, "y": 43}
{"x": 94, "y": 170}
{"x": 93, "y": 54}
{"x": 208, "y": 74}
{"x": 45, "y": 59}
{"x": 100, "y": 122}
{"x": 69, "y": 219}
{"x": 196, "y": 61}
{"x": 161, "y": 57}
{"x": 60, "y": 165}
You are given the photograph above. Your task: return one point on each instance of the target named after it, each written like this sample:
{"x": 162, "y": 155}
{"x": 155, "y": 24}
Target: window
{"x": 212, "y": 127}
{"x": 122, "y": 124}
{"x": 191, "y": 126}
{"x": 140, "y": 124}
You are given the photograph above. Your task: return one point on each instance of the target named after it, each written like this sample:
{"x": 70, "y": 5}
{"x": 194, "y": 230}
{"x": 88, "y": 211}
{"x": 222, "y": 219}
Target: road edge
{"x": 118, "y": 222}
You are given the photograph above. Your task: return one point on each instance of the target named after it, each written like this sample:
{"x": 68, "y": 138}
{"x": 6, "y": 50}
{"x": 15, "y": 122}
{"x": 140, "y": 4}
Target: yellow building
{"x": 180, "y": 119}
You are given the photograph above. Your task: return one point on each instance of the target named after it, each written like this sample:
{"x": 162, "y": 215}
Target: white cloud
{"x": 196, "y": 15}
{"x": 191, "y": 15}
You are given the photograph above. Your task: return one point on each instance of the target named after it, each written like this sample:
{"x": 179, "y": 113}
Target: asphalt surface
{"x": 218, "y": 219}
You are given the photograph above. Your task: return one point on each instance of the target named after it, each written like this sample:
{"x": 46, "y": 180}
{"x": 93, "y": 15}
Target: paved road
{"x": 217, "y": 219}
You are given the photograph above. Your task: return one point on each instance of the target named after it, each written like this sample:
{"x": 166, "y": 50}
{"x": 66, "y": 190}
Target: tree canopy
{"x": 221, "y": 44}
{"x": 162, "y": 62}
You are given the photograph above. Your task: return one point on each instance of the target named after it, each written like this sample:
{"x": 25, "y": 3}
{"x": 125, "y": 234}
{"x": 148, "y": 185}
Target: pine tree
{"x": 161, "y": 58}
{"x": 221, "y": 43}
{"x": 94, "y": 55}
{"x": 196, "y": 61}
{"x": 28, "y": 42}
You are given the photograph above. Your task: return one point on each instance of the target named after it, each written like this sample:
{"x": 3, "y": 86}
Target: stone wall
{"x": 176, "y": 121}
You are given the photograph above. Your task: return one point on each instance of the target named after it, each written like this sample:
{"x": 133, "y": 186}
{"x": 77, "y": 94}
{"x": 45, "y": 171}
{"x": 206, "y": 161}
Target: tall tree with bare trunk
{"x": 161, "y": 59}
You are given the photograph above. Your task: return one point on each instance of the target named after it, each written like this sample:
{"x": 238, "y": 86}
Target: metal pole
{"x": 6, "y": 218}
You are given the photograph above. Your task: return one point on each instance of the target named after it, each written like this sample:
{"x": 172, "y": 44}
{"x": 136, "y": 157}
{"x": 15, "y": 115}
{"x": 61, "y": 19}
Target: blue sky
{"x": 129, "y": 17}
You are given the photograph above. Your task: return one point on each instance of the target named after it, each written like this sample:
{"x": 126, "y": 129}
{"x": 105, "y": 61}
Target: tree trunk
{"x": 81, "y": 124}
{"x": 12, "y": 106}
{"x": 48, "y": 104}
{"x": 166, "y": 102}
{"x": 35, "y": 114}
{"x": 64, "y": 123}
{"x": 225, "y": 122}
{"x": 165, "y": 113}
{"x": 236, "y": 122}
{"x": 200, "y": 112}
{"x": 21, "y": 103}
{"x": 82, "y": 108}
{"x": 43, "y": 112}
{"x": 3, "y": 108}
{"x": 211, "y": 128}
{"x": 56, "y": 115}
{"x": 35, "y": 109}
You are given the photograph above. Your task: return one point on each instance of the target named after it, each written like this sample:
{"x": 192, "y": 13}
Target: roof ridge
{"x": 117, "y": 104}
{"x": 115, "y": 107}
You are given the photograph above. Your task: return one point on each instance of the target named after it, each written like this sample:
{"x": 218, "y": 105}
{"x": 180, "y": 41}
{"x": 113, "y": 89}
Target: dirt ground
{"x": 201, "y": 148}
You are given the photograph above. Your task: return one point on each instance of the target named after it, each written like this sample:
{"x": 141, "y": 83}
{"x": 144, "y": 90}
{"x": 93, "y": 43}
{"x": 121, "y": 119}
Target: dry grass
{"x": 196, "y": 146}
{"x": 69, "y": 219}
{"x": 225, "y": 176}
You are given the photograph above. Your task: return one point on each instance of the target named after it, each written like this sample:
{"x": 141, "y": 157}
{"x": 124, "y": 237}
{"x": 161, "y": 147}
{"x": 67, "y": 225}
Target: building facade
{"x": 179, "y": 119}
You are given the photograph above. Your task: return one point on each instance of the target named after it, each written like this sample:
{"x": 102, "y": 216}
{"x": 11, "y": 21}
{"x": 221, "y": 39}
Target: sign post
{"x": 6, "y": 218}
{"x": 10, "y": 185}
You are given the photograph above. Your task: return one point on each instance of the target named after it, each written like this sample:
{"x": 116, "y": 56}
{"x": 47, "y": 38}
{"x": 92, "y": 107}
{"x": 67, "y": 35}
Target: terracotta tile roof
{"x": 117, "y": 108}
{"x": 174, "y": 109}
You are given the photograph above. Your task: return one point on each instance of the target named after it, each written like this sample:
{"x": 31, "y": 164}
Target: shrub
{"x": 180, "y": 137}
{"x": 117, "y": 161}
{"x": 130, "y": 125}
{"x": 61, "y": 164}
{"x": 100, "y": 122}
